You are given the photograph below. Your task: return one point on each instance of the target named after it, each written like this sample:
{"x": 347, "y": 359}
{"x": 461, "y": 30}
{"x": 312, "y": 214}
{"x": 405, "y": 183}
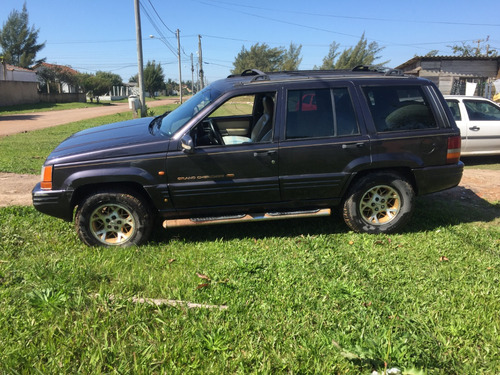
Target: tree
{"x": 95, "y": 85}
{"x": 266, "y": 59}
{"x": 361, "y": 54}
{"x": 51, "y": 76}
{"x": 153, "y": 78}
{"x": 483, "y": 49}
{"x": 171, "y": 86}
{"x": 18, "y": 41}
{"x": 291, "y": 58}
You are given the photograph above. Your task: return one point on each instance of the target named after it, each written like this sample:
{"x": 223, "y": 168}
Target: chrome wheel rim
{"x": 380, "y": 205}
{"x": 112, "y": 224}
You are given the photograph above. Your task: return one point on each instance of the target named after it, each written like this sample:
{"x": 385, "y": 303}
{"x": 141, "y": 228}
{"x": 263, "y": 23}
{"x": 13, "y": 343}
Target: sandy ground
{"x": 15, "y": 189}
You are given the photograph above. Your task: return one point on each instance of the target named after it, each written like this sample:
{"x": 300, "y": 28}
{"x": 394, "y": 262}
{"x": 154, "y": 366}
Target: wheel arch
{"x": 405, "y": 172}
{"x": 82, "y": 192}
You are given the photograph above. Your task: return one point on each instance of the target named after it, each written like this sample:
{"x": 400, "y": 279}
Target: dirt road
{"x": 12, "y": 124}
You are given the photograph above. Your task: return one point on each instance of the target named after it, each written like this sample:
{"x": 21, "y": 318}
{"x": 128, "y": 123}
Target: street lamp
{"x": 178, "y": 57}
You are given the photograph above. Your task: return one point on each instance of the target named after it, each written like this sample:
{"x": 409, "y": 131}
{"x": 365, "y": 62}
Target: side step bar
{"x": 244, "y": 218}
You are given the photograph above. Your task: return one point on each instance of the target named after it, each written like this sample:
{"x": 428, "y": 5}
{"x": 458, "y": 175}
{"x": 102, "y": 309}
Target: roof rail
{"x": 386, "y": 71}
{"x": 259, "y": 75}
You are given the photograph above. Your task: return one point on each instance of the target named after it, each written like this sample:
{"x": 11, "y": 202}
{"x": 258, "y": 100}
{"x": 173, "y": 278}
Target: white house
{"x": 15, "y": 73}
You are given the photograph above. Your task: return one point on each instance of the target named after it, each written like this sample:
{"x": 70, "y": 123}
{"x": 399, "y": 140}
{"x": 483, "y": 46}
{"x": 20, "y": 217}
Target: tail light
{"x": 46, "y": 177}
{"x": 454, "y": 146}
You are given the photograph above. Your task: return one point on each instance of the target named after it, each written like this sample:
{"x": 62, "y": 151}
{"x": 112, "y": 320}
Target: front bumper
{"x": 434, "y": 179}
{"x": 55, "y": 203}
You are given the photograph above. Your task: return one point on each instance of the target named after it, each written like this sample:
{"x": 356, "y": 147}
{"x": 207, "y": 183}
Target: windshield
{"x": 181, "y": 115}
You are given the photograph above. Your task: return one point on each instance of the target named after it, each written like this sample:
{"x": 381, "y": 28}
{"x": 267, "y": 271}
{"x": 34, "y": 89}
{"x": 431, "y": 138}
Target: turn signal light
{"x": 454, "y": 147}
{"x": 46, "y": 183}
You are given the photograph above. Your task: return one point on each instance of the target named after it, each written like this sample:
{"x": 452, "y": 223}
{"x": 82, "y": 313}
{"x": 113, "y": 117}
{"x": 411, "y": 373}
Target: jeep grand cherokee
{"x": 260, "y": 146}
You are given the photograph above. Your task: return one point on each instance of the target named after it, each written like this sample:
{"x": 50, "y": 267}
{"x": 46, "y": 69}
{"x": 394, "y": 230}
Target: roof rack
{"x": 259, "y": 75}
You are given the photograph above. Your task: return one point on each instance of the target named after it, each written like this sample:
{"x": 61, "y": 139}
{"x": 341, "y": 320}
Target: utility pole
{"x": 200, "y": 62}
{"x": 179, "y": 57}
{"x": 192, "y": 75}
{"x": 140, "y": 75}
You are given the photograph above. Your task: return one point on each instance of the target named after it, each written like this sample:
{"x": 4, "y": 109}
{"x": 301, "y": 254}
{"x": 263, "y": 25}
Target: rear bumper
{"x": 434, "y": 179}
{"x": 53, "y": 202}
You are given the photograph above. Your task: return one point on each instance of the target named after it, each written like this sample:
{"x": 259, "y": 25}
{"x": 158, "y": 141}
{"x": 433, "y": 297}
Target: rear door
{"x": 322, "y": 142}
{"x": 483, "y": 126}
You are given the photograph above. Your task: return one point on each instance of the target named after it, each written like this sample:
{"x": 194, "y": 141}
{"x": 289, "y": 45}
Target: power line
{"x": 152, "y": 6}
{"x": 160, "y": 33}
{"x": 349, "y": 17}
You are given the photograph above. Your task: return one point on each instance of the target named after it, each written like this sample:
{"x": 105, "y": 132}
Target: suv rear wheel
{"x": 379, "y": 203}
{"x": 112, "y": 218}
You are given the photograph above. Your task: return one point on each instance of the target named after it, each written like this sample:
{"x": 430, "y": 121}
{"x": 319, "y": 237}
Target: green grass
{"x": 26, "y": 152}
{"x": 303, "y": 296}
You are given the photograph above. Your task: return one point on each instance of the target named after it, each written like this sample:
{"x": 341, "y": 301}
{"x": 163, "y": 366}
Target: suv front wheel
{"x": 112, "y": 218}
{"x": 379, "y": 203}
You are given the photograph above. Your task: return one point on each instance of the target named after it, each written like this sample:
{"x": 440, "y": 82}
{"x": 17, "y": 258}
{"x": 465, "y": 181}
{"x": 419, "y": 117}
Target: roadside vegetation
{"x": 293, "y": 296}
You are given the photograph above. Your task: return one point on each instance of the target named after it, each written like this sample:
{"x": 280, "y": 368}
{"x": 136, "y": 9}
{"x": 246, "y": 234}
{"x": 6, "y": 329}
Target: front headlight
{"x": 47, "y": 177}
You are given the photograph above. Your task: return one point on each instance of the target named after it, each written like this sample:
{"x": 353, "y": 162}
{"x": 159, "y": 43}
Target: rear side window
{"x": 320, "y": 113}
{"x": 399, "y": 108}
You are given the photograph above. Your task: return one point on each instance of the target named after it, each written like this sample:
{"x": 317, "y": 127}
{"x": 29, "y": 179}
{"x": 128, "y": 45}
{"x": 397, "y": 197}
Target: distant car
{"x": 479, "y": 122}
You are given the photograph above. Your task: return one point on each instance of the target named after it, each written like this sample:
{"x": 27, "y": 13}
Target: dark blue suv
{"x": 260, "y": 146}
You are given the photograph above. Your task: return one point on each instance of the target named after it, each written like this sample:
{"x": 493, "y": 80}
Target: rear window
{"x": 399, "y": 108}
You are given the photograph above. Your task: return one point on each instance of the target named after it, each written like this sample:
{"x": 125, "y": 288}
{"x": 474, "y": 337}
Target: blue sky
{"x": 96, "y": 35}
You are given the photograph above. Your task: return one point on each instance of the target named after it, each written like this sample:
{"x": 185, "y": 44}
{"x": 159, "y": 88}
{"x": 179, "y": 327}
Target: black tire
{"x": 112, "y": 218}
{"x": 379, "y": 203}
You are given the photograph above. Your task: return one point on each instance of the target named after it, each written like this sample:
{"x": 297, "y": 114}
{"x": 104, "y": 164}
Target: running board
{"x": 244, "y": 218}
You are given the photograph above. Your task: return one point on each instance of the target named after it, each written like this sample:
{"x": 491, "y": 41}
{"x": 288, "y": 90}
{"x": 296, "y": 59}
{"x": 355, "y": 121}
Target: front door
{"x": 223, "y": 169}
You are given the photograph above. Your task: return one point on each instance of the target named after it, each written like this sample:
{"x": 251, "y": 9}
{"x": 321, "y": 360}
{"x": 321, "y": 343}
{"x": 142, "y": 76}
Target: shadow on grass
{"x": 452, "y": 207}
{"x": 485, "y": 162}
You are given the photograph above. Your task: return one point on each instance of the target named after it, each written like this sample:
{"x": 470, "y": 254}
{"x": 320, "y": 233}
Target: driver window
{"x": 239, "y": 120}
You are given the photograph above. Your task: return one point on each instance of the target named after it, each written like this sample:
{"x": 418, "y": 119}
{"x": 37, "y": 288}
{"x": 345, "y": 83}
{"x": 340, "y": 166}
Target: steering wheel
{"x": 214, "y": 129}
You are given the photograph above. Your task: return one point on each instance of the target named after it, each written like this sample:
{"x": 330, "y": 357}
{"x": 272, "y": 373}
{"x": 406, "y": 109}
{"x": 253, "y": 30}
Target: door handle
{"x": 475, "y": 128}
{"x": 353, "y": 145}
{"x": 264, "y": 153}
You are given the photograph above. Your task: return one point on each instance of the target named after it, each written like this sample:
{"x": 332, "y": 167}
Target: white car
{"x": 479, "y": 122}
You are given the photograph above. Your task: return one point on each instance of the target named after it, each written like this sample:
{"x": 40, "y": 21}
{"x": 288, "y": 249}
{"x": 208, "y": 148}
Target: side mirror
{"x": 187, "y": 144}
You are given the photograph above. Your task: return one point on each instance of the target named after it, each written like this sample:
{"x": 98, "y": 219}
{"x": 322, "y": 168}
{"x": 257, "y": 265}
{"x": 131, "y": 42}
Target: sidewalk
{"x": 12, "y": 124}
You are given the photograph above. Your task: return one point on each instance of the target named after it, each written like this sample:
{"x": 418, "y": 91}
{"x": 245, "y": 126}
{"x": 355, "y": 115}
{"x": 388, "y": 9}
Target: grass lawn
{"x": 302, "y": 296}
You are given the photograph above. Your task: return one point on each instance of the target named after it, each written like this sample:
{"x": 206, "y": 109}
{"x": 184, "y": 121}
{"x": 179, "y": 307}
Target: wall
{"x": 62, "y": 98}
{"x": 16, "y": 92}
